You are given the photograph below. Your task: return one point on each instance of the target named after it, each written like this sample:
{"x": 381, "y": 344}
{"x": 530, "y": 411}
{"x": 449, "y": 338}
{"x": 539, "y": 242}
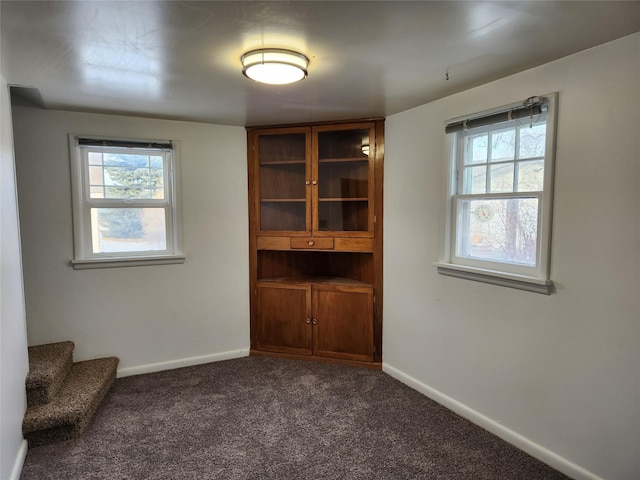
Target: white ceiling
{"x": 181, "y": 60}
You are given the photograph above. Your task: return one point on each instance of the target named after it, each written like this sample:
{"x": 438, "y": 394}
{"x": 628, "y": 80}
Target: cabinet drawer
{"x": 312, "y": 243}
{"x": 273, "y": 243}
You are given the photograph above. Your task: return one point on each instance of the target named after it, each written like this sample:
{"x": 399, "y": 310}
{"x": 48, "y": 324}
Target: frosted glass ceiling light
{"x": 274, "y": 66}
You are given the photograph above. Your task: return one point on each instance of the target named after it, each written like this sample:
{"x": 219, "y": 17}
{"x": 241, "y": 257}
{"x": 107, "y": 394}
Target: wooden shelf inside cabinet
{"x": 282, "y": 162}
{"x": 317, "y": 280}
{"x": 282, "y": 200}
{"x": 343, "y": 199}
{"x": 340, "y": 160}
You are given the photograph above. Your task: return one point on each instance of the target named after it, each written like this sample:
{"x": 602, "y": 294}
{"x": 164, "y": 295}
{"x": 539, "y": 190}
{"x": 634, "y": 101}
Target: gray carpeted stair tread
{"x": 70, "y": 412}
{"x": 48, "y": 367}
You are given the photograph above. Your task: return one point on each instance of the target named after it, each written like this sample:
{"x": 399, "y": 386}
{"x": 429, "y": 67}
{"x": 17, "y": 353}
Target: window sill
{"x": 520, "y": 282}
{"x": 115, "y": 262}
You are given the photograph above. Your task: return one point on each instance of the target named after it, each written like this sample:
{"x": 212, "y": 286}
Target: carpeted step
{"x": 69, "y": 413}
{"x": 48, "y": 367}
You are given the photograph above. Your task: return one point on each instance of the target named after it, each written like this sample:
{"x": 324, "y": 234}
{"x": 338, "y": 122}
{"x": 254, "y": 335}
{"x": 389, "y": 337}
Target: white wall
{"x": 557, "y": 372}
{"x": 13, "y": 339}
{"x": 151, "y": 317}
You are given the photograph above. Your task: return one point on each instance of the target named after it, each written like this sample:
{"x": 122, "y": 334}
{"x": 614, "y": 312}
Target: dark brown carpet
{"x": 264, "y": 418}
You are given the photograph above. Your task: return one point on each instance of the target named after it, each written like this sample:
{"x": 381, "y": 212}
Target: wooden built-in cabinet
{"x": 322, "y": 317}
{"x": 315, "y": 208}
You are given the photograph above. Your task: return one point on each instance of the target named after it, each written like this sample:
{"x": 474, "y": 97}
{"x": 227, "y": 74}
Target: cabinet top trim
{"x": 315, "y": 124}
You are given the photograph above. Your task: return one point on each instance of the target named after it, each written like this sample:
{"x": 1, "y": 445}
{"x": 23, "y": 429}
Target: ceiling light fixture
{"x": 274, "y": 66}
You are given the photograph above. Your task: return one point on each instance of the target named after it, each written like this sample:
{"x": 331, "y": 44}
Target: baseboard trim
{"x": 182, "y": 362}
{"x": 538, "y": 451}
{"x": 313, "y": 358}
{"x": 19, "y": 463}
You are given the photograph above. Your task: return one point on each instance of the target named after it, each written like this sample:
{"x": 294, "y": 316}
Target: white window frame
{"x": 84, "y": 256}
{"x": 535, "y": 278}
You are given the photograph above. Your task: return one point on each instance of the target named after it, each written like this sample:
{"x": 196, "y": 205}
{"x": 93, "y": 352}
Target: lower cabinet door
{"x": 343, "y": 322}
{"x": 284, "y": 318}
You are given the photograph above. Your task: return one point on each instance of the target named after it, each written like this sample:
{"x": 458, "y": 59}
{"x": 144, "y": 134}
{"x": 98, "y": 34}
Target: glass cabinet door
{"x": 344, "y": 173}
{"x": 283, "y": 179}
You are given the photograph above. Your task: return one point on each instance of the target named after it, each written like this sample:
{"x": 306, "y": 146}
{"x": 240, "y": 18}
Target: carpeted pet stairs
{"x": 63, "y": 396}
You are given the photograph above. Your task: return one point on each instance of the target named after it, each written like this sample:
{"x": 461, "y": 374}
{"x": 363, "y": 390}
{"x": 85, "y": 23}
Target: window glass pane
{"x": 475, "y": 180}
{"x": 532, "y": 141}
{"x": 499, "y": 230}
{"x": 127, "y": 176}
{"x": 96, "y": 192}
{"x": 96, "y": 175}
{"x": 133, "y": 192}
{"x": 155, "y": 162}
{"x": 476, "y": 149}
{"x": 503, "y": 145}
{"x": 502, "y": 178}
{"x": 531, "y": 176}
{"x": 128, "y": 229}
{"x": 95, "y": 158}
{"x": 125, "y": 160}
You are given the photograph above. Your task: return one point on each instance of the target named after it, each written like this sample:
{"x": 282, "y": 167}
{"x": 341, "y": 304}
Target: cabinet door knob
{"x": 315, "y": 182}
{"x": 308, "y": 320}
{"x": 307, "y": 182}
{"x": 311, "y": 243}
{"x": 315, "y": 321}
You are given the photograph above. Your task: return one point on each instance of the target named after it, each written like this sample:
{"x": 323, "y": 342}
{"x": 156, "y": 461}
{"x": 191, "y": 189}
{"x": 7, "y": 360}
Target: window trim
{"x": 535, "y": 279}
{"x": 83, "y": 256}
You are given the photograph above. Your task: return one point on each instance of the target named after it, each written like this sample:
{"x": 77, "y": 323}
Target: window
{"x": 499, "y": 212}
{"x": 125, "y": 209}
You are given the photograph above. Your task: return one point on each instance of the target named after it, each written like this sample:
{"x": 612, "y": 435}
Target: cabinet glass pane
{"x": 288, "y": 147}
{"x": 347, "y": 216}
{"x": 282, "y": 182}
{"x": 339, "y": 180}
{"x": 343, "y": 144}
{"x": 343, "y": 180}
{"x": 283, "y": 216}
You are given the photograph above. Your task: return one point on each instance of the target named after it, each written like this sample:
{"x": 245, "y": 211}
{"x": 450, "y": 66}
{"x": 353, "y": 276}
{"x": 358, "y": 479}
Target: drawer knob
{"x": 308, "y": 320}
{"x": 315, "y": 182}
{"x": 307, "y": 182}
{"x": 311, "y": 243}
